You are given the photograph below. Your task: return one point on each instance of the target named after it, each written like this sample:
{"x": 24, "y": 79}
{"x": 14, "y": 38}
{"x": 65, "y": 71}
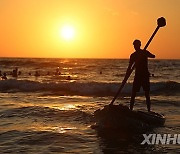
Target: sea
{"x": 48, "y": 108}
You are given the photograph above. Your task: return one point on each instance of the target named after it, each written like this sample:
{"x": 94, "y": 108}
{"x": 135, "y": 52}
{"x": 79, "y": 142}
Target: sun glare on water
{"x": 67, "y": 32}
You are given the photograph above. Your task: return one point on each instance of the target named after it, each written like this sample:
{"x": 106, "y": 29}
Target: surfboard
{"x": 122, "y": 118}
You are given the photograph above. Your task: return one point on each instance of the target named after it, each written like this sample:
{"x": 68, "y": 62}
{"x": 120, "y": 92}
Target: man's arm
{"x": 150, "y": 55}
{"x": 131, "y": 62}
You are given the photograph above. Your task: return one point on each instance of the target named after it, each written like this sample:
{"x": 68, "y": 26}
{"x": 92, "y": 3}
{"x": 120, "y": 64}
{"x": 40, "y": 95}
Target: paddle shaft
{"x": 132, "y": 68}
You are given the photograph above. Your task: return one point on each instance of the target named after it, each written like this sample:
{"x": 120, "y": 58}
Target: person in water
{"x": 57, "y": 71}
{"x": 141, "y": 78}
{"x": 15, "y": 72}
{"x": 36, "y": 74}
{"x": 4, "y": 77}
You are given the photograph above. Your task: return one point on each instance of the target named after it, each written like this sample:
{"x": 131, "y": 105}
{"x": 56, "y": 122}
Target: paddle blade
{"x": 161, "y": 22}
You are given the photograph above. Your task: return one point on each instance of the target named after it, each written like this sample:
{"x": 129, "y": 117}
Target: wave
{"x": 48, "y": 114}
{"x": 79, "y": 88}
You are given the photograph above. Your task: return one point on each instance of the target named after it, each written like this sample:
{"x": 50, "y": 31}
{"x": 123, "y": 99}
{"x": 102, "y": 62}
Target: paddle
{"x": 161, "y": 22}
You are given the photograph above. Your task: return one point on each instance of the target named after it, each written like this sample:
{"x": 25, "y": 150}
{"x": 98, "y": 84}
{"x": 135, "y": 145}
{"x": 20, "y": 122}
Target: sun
{"x": 67, "y": 32}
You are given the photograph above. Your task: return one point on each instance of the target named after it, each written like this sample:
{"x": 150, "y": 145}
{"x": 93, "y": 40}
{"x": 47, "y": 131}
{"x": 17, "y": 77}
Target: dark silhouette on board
{"x": 161, "y": 22}
{"x": 141, "y": 79}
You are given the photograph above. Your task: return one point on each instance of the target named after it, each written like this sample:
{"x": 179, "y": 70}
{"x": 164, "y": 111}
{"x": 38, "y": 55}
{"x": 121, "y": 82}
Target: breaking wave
{"x": 79, "y": 88}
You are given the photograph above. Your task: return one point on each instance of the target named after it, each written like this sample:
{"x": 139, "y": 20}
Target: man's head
{"x": 137, "y": 44}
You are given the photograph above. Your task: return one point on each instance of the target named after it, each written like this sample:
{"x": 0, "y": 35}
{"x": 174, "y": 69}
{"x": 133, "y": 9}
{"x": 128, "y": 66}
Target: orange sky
{"x": 103, "y": 28}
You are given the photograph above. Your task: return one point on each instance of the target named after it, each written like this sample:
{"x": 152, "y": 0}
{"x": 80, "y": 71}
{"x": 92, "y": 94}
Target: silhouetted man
{"x": 141, "y": 79}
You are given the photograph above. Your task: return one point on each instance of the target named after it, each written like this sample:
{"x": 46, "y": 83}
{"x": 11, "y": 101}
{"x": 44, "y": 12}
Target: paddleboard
{"x": 122, "y": 118}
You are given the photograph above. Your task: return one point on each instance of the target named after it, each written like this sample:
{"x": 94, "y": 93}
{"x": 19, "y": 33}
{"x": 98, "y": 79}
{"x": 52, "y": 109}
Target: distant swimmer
{"x": 36, "y": 74}
{"x": 15, "y": 72}
{"x": 4, "y": 77}
{"x": 141, "y": 79}
{"x": 57, "y": 71}
{"x": 68, "y": 78}
{"x": 19, "y": 73}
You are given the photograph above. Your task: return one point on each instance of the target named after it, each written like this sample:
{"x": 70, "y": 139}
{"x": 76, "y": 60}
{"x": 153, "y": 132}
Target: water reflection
{"x": 120, "y": 142}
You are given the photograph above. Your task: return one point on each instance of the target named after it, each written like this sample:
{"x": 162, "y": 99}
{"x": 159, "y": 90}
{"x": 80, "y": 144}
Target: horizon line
{"x": 83, "y": 58}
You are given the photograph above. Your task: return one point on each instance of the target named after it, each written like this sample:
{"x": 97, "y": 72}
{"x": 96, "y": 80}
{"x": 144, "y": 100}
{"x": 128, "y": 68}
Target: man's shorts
{"x": 141, "y": 81}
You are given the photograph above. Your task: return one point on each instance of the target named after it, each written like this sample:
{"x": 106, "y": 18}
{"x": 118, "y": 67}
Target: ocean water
{"x": 53, "y": 113}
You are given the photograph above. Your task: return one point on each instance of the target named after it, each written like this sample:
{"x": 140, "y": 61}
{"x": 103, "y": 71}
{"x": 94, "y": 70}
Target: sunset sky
{"x": 87, "y": 28}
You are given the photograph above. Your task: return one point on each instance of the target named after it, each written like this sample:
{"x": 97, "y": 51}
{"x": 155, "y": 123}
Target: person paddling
{"x": 141, "y": 78}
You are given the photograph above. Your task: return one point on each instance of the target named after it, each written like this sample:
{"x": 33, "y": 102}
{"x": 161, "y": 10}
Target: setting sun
{"x": 67, "y": 32}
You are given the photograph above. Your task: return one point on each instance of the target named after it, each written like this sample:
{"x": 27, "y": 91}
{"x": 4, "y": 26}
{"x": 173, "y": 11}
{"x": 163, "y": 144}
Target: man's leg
{"x": 148, "y": 102}
{"x": 133, "y": 95}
